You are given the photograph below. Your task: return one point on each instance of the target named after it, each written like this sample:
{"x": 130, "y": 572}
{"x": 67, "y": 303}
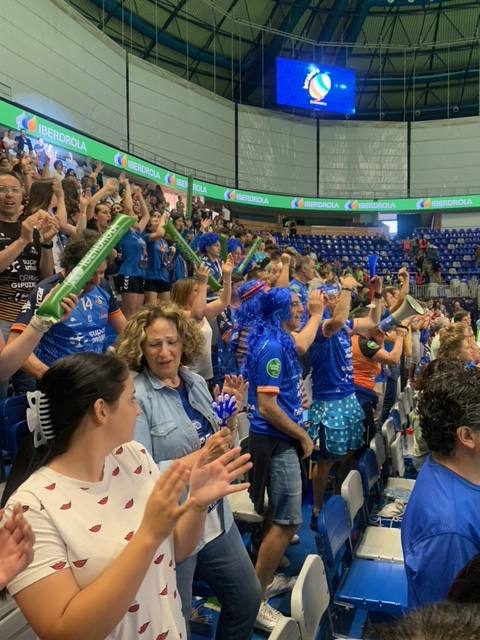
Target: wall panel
{"x": 363, "y": 159}
{"x": 276, "y": 152}
{"x": 446, "y": 157}
{"x": 59, "y": 64}
{"x": 180, "y": 122}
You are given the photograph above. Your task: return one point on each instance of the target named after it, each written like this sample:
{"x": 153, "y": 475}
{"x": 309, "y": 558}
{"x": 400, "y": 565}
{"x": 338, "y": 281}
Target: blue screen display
{"x": 308, "y": 85}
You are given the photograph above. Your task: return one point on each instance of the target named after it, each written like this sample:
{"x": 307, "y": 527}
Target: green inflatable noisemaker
{"x": 246, "y": 261}
{"x": 87, "y": 266}
{"x": 224, "y": 246}
{"x": 188, "y": 253}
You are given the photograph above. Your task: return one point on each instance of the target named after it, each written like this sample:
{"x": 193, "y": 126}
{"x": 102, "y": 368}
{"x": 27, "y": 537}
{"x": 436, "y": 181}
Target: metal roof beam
{"x": 164, "y": 38}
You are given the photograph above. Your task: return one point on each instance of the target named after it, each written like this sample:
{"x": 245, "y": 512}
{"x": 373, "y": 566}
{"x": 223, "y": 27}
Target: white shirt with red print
{"x": 84, "y": 526}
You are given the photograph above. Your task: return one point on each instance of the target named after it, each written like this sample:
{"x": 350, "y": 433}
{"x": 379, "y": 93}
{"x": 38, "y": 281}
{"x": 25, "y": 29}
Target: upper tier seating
{"x": 456, "y": 251}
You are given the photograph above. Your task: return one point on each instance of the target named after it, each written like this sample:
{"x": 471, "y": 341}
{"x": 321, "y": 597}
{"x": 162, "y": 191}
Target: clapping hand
{"x": 16, "y": 546}
{"x": 162, "y": 510}
{"x": 234, "y": 386}
{"x": 48, "y": 226}
{"x": 210, "y": 481}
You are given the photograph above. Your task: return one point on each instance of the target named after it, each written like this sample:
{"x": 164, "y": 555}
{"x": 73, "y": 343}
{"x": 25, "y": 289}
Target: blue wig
{"x": 250, "y": 294}
{"x": 207, "y": 240}
{"x": 275, "y": 308}
{"x": 233, "y": 244}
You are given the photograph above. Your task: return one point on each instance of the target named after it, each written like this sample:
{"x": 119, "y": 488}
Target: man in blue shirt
{"x": 336, "y": 417}
{"x": 85, "y": 329}
{"x": 278, "y": 439}
{"x": 441, "y": 526}
{"x": 304, "y": 273}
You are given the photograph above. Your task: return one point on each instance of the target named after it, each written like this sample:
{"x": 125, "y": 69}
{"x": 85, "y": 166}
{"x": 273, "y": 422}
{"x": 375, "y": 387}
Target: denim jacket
{"x": 163, "y": 426}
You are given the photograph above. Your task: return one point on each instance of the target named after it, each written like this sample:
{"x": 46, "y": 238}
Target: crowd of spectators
{"x": 144, "y": 464}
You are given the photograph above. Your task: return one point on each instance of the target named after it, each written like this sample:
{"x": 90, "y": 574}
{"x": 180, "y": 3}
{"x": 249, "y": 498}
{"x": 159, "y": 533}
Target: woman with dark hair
{"x": 49, "y": 196}
{"x": 40, "y": 197}
{"x": 177, "y": 421}
{"x": 101, "y": 219}
{"x": 108, "y": 527}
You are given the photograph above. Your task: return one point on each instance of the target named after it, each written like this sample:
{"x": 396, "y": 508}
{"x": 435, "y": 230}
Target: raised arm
{"x": 215, "y": 308}
{"x": 392, "y": 358}
{"x": 342, "y": 309}
{"x": 15, "y": 353}
{"x": 108, "y": 189}
{"x": 62, "y": 217}
{"x": 370, "y": 324}
{"x": 284, "y": 277}
{"x": 145, "y": 213}
{"x": 304, "y": 338}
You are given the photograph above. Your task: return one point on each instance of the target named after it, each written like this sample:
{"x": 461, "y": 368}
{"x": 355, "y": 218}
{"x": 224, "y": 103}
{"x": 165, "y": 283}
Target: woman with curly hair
{"x": 177, "y": 421}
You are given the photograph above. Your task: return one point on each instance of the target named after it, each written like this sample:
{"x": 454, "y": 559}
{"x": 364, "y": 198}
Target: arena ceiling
{"x": 415, "y": 59}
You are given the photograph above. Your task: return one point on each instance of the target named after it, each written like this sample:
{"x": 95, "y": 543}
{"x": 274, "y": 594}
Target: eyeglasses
{"x": 15, "y": 190}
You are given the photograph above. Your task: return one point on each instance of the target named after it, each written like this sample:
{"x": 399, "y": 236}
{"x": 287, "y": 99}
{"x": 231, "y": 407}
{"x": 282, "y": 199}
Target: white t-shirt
{"x": 84, "y": 526}
{"x": 203, "y": 365}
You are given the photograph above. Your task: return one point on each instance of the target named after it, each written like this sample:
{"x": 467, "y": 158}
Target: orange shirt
{"x": 365, "y": 370}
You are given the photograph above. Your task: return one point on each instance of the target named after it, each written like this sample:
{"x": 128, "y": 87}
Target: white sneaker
{"x": 267, "y": 617}
{"x": 280, "y": 584}
{"x": 295, "y": 539}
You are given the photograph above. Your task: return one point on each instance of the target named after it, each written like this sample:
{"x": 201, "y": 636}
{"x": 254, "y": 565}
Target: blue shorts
{"x": 284, "y": 488}
{"x": 336, "y": 426}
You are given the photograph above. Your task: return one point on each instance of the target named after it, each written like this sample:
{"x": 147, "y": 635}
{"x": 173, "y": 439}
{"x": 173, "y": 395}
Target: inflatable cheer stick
{"x": 246, "y": 261}
{"x": 188, "y": 253}
{"x": 188, "y": 208}
{"x": 224, "y": 247}
{"x": 87, "y": 266}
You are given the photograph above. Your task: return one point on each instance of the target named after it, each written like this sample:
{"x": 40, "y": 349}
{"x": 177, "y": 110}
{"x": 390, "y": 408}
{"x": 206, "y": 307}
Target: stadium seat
{"x": 310, "y": 597}
{"x": 13, "y": 625}
{"x": 376, "y": 543}
{"x": 365, "y": 585}
{"x": 285, "y": 629}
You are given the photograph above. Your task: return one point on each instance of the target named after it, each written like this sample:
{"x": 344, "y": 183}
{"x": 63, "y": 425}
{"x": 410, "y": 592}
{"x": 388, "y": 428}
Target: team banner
{"x": 36, "y": 126}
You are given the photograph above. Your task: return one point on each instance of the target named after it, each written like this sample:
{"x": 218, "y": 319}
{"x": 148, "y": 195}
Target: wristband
{"x": 347, "y": 289}
{"x": 46, "y": 245}
{"x": 41, "y": 324}
{"x": 377, "y": 296}
{"x": 198, "y": 508}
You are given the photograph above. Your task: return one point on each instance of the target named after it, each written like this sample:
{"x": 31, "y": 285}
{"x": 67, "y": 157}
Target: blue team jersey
{"x": 332, "y": 368}
{"x": 133, "y": 251}
{"x": 301, "y": 290}
{"x": 180, "y": 269}
{"x": 85, "y": 329}
{"x": 214, "y": 266}
{"x": 272, "y": 371}
{"x": 157, "y": 268}
{"x": 201, "y": 424}
{"x": 440, "y": 532}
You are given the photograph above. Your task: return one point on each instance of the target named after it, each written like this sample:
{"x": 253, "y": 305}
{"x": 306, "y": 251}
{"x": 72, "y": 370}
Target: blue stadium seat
{"x": 365, "y": 585}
